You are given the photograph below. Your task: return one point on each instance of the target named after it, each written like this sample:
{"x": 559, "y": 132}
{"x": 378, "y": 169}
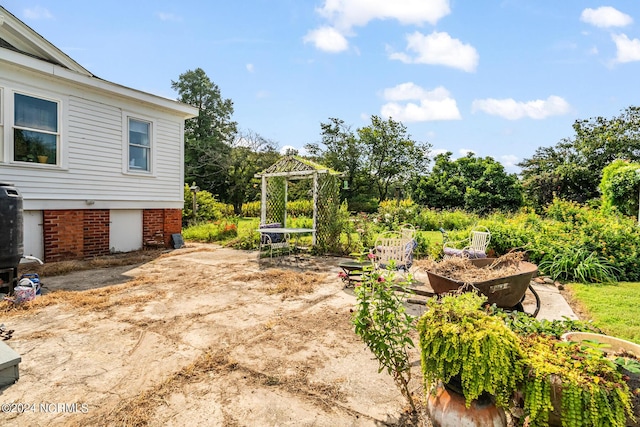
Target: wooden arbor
{"x": 325, "y": 190}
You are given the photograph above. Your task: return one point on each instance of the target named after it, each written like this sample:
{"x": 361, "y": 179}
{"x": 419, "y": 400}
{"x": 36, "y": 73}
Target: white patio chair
{"x": 408, "y": 231}
{"x": 476, "y": 246}
{"x": 392, "y": 248}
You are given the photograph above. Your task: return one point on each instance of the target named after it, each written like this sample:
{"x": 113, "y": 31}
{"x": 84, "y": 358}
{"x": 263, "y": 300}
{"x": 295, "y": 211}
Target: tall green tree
{"x": 250, "y": 153}
{"x": 208, "y": 137}
{"x": 342, "y": 151}
{"x": 392, "y": 157}
{"x": 572, "y": 169}
{"x": 559, "y": 171}
{"x": 472, "y": 183}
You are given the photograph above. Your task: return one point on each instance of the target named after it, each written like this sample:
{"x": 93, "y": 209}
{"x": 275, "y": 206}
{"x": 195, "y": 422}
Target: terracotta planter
{"x": 447, "y": 409}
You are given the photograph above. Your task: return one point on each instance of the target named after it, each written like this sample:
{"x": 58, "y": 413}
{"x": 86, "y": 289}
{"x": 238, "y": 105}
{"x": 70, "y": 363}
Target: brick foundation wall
{"x": 96, "y": 232}
{"x": 75, "y": 234}
{"x": 79, "y": 234}
{"x": 158, "y": 225}
{"x": 172, "y": 224}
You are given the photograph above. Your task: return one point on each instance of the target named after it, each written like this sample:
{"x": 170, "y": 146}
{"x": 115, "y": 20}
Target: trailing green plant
{"x": 593, "y": 392}
{"x": 517, "y": 358}
{"x": 381, "y": 320}
{"x": 589, "y": 382}
{"x": 459, "y": 339}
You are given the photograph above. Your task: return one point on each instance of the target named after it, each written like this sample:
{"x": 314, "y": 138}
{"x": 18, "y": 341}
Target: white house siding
{"x": 91, "y": 171}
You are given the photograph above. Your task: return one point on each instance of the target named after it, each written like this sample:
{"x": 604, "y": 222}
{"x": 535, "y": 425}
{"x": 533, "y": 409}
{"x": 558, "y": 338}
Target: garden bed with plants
{"x": 519, "y": 363}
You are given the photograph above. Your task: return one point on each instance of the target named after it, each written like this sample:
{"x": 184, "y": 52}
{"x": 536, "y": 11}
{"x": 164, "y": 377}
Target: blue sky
{"x": 499, "y": 78}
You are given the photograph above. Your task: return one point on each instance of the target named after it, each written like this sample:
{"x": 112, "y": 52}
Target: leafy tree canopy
{"x": 473, "y": 183}
{"x": 572, "y": 169}
{"x": 373, "y": 158}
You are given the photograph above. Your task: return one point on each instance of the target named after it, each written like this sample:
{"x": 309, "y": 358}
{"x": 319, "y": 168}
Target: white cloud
{"x": 327, "y": 39}
{"x": 627, "y": 50}
{"x": 464, "y": 151}
{"x": 434, "y": 153}
{"x": 410, "y": 90}
{"x": 250, "y": 68}
{"x": 509, "y": 160}
{"x": 605, "y": 17}
{"x": 164, "y": 16}
{"x": 345, "y": 14}
{"x": 438, "y": 49}
{"x": 431, "y": 105}
{"x": 512, "y": 110}
{"x": 37, "y": 12}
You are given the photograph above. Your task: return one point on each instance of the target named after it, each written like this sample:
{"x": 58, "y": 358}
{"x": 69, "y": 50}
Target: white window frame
{"x": 11, "y": 126}
{"x": 126, "y": 116}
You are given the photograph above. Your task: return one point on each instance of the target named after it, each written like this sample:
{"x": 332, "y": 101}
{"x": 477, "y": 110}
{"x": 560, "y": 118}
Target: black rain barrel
{"x": 11, "y": 226}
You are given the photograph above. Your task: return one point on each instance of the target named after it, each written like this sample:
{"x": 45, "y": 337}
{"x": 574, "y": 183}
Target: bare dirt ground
{"x": 202, "y": 335}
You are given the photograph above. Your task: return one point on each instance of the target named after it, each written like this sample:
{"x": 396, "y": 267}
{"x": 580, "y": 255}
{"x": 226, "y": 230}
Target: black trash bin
{"x": 11, "y": 235}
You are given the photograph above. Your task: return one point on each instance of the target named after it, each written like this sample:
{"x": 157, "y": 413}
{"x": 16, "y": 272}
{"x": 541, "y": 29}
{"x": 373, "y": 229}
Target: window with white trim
{"x": 36, "y": 135}
{"x": 139, "y": 145}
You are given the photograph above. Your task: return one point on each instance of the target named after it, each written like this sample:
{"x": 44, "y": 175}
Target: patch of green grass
{"x": 614, "y": 308}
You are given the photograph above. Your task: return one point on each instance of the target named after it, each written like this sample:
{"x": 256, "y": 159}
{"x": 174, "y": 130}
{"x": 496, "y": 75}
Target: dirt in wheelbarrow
{"x": 202, "y": 335}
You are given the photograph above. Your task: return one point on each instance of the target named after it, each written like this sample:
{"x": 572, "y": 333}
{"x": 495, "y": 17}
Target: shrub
{"x": 381, "y": 320}
{"x": 392, "y": 213}
{"x": 251, "y": 210}
{"x": 571, "y": 241}
{"x": 300, "y": 208}
{"x": 363, "y": 204}
{"x": 457, "y": 220}
{"x": 208, "y": 208}
{"x": 294, "y": 208}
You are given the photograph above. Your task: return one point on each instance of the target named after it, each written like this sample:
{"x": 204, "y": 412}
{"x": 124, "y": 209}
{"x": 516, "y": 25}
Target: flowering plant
{"x": 382, "y": 322}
